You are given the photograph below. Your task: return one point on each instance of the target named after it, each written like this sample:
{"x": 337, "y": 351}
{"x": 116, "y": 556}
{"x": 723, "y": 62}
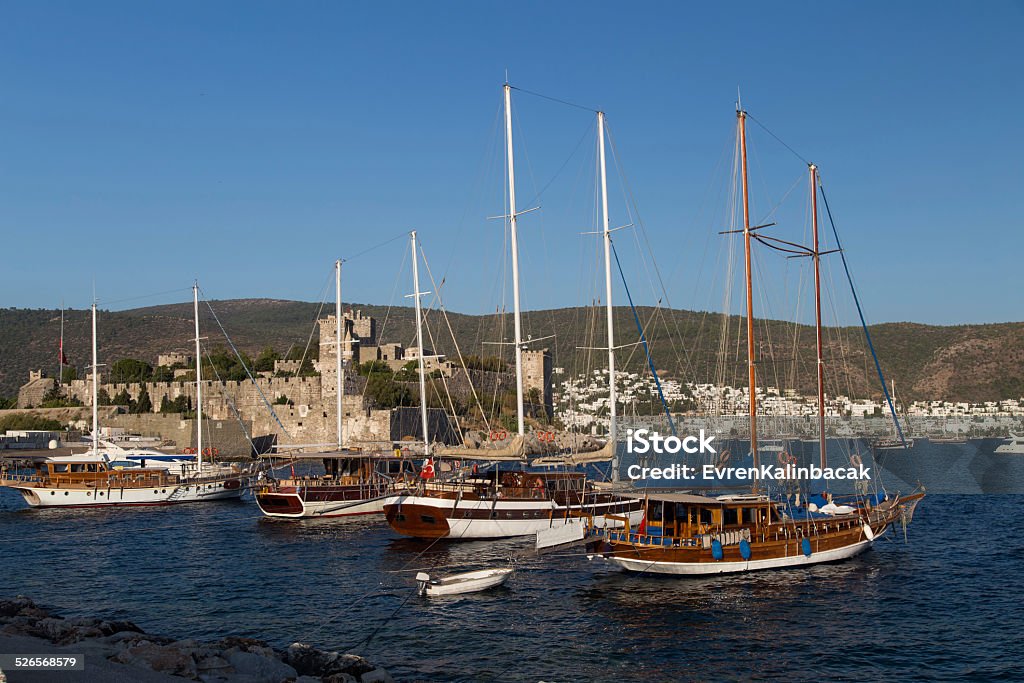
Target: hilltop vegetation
{"x": 953, "y": 363}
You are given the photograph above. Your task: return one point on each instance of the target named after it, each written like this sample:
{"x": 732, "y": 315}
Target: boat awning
{"x": 688, "y": 498}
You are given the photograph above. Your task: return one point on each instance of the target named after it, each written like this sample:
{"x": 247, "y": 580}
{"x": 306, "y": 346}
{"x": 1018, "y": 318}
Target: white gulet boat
{"x": 519, "y": 502}
{"x": 105, "y": 476}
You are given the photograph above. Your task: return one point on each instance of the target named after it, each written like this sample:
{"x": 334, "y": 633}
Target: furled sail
{"x": 513, "y": 451}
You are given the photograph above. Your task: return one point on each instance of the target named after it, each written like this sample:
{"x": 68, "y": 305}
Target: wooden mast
{"x": 817, "y": 313}
{"x": 742, "y": 116}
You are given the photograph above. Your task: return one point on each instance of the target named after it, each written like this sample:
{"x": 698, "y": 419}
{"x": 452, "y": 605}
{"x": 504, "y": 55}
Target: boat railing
{"x": 21, "y": 478}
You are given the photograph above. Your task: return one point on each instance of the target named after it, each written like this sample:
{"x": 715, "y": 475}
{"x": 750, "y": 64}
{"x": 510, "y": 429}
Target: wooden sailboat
{"x": 354, "y": 482}
{"x": 104, "y": 477}
{"x": 518, "y": 501}
{"x": 688, "y": 534}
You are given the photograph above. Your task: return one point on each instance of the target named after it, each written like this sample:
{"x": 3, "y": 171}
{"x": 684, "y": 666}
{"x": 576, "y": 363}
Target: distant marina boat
{"x": 108, "y": 475}
{"x": 1012, "y": 446}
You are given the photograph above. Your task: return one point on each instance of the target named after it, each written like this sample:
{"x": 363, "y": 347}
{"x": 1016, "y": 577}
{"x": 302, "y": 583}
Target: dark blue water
{"x": 943, "y": 606}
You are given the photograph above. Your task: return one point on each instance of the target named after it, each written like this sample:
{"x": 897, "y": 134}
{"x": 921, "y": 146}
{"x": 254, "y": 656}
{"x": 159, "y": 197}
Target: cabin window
{"x": 428, "y": 519}
{"x": 732, "y": 516}
{"x": 705, "y": 516}
{"x": 62, "y": 467}
{"x": 655, "y": 510}
{"x": 77, "y": 468}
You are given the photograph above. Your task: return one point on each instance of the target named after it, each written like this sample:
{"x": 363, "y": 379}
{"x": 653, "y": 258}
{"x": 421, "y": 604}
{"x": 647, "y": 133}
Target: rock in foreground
{"x": 230, "y": 660}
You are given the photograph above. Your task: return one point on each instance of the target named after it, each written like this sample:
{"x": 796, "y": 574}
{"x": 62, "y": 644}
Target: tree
{"x": 386, "y": 393}
{"x": 373, "y": 367}
{"x": 102, "y": 398}
{"x": 410, "y": 372}
{"x": 163, "y": 373}
{"x": 8, "y": 403}
{"x": 265, "y": 361}
{"x": 121, "y": 398}
{"x": 282, "y": 400}
{"x": 55, "y": 399}
{"x": 143, "y": 405}
{"x": 130, "y": 370}
{"x": 68, "y": 374}
{"x": 488, "y": 363}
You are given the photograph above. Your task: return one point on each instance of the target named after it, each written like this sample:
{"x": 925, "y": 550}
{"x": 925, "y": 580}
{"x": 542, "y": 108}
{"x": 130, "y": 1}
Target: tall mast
{"x": 512, "y": 217}
{"x": 817, "y": 313}
{"x": 338, "y": 366}
{"x": 612, "y": 426}
{"x": 199, "y": 382}
{"x": 742, "y": 116}
{"x": 95, "y": 388}
{"x": 419, "y": 342}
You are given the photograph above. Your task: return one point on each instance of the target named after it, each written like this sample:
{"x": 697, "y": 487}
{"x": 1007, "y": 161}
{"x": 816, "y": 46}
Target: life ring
{"x": 856, "y": 460}
{"x": 208, "y": 452}
{"x": 724, "y": 457}
{"x": 190, "y": 451}
{"x": 786, "y": 459}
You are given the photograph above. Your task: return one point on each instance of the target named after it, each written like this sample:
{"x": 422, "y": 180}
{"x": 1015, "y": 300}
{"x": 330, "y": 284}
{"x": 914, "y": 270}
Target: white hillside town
{"x": 581, "y": 403}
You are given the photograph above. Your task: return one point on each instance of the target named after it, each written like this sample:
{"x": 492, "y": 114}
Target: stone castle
{"x": 309, "y": 414}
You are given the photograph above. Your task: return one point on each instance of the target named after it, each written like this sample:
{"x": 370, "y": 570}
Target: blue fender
{"x": 805, "y": 546}
{"x": 745, "y": 549}
{"x": 716, "y": 549}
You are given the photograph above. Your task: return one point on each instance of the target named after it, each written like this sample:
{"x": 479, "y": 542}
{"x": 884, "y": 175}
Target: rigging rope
{"x": 246, "y": 368}
{"x": 643, "y": 340}
{"x": 863, "y": 323}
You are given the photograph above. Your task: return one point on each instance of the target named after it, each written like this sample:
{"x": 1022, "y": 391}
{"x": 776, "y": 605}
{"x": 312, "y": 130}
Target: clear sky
{"x": 249, "y": 144}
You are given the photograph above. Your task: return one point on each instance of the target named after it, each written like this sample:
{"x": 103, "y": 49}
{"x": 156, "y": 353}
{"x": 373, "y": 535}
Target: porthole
{"x": 65, "y": 493}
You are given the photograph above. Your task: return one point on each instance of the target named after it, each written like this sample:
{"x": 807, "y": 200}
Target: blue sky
{"x": 249, "y": 144}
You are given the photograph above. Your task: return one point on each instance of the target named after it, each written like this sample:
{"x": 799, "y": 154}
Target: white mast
{"x": 515, "y": 259}
{"x": 612, "y": 432}
{"x": 199, "y": 382}
{"x": 95, "y": 388}
{"x": 419, "y": 342}
{"x": 340, "y": 388}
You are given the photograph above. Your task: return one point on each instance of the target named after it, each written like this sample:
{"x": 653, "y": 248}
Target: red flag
{"x": 427, "y": 471}
{"x": 63, "y": 358}
{"x": 642, "y": 529}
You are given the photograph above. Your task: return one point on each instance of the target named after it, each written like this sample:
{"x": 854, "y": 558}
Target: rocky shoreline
{"x": 120, "y": 650}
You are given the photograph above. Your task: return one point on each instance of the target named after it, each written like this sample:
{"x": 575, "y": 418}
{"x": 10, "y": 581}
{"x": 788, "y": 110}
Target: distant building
{"x": 173, "y": 358}
{"x": 39, "y": 385}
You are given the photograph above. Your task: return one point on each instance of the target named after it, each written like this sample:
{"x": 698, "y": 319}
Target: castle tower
{"x": 328, "y": 350}
{"x": 537, "y": 375}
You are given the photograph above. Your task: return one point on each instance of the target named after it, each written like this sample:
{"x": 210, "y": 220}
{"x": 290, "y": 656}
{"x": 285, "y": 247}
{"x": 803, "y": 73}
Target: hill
{"x": 953, "y": 363}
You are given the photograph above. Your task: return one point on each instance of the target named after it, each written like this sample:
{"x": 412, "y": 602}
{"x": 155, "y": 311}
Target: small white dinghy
{"x": 456, "y": 584}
